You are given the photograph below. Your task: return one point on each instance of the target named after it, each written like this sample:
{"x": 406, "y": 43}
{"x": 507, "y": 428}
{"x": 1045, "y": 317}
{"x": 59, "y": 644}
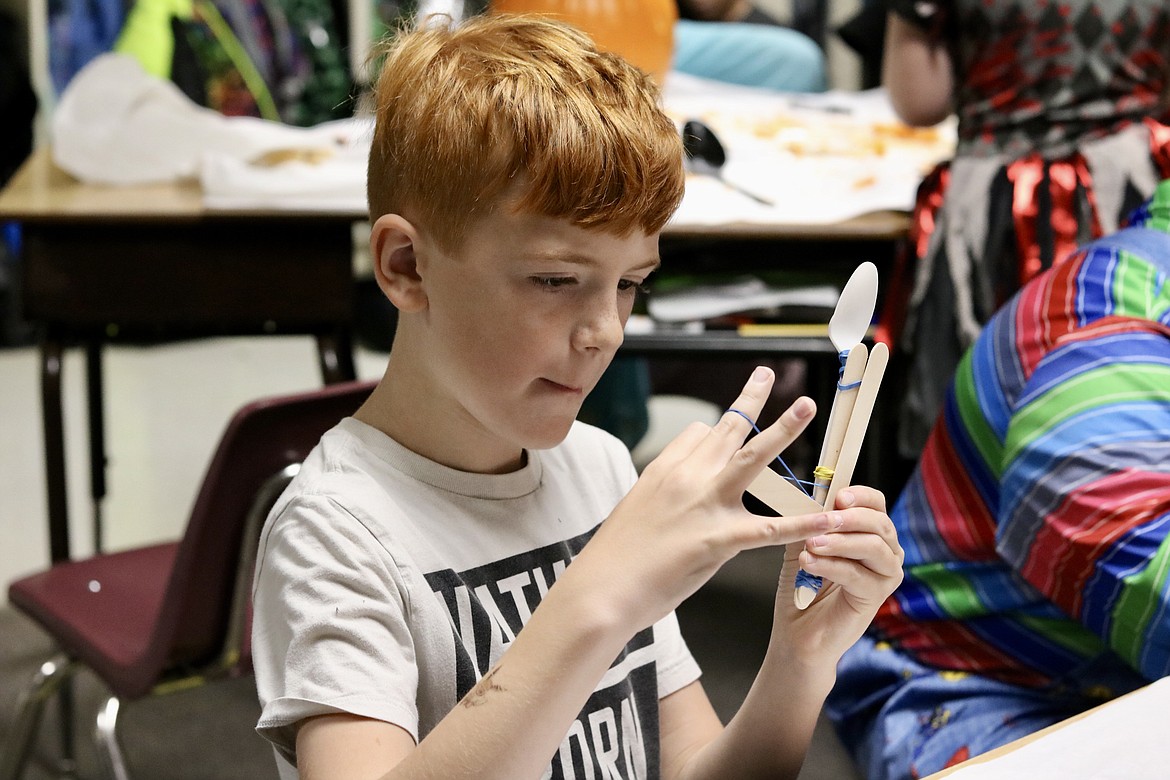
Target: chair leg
{"x": 18, "y": 745}
{"x": 107, "y": 740}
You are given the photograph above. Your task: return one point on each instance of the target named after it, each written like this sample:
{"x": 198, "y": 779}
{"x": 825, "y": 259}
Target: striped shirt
{"x": 1037, "y": 524}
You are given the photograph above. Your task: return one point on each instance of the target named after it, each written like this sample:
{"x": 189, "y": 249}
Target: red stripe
{"x": 1085, "y": 525}
{"x": 950, "y": 645}
{"x": 960, "y": 514}
{"x": 1042, "y": 317}
{"x": 1111, "y": 326}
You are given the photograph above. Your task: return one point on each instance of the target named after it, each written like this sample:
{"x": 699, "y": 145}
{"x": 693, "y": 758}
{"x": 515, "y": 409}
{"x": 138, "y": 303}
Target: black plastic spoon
{"x": 706, "y": 155}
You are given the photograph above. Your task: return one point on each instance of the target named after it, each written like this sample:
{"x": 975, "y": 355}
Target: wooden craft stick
{"x": 871, "y": 380}
{"x": 839, "y": 415}
{"x": 807, "y": 585}
{"x": 781, "y": 495}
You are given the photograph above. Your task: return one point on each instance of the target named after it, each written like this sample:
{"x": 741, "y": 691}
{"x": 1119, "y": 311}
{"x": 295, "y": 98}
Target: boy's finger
{"x": 867, "y": 563}
{"x": 681, "y": 446}
{"x": 737, "y": 422}
{"x": 868, "y": 521}
{"x": 758, "y": 531}
{"x": 860, "y": 495}
{"x": 756, "y": 454}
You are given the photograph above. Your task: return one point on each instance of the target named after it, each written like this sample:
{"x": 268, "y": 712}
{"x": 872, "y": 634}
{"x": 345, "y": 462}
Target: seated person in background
{"x": 1036, "y": 524}
{"x": 1063, "y": 128}
{"x": 436, "y": 593}
{"x": 732, "y": 41}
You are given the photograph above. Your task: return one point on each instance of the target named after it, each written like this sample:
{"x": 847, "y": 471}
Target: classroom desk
{"x": 147, "y": 262}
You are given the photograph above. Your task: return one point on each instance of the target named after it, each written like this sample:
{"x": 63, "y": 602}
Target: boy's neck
{"x": 394, "y": 408}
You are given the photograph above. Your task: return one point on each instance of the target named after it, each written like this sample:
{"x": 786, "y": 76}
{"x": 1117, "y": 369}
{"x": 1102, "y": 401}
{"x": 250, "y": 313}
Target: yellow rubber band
{"x": 823, "y": 472}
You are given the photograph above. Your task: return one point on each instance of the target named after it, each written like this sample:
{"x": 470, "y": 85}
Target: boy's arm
{"x": 861, "y": 562}
{"x": 508, "y": 726}
{"x": 681, "y": 521}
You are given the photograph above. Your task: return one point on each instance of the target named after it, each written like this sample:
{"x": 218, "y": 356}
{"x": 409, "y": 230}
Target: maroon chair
{"x": 172, "y": 615}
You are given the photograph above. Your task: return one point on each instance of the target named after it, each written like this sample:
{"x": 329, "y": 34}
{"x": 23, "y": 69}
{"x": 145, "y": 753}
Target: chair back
{"x": 201, "y": 608}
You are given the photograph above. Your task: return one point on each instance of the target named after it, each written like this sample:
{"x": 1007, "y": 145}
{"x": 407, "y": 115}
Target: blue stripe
{"x": 918, "y": 601}
{"x": 1128, "y": 555}
{"x": 914, "y": 520}
{"x": 1155, "y": 656}
{"x": 1001, "y": 589}
{"x": 1097, "y": 427}
{"x": 1026, "y": 646}
{"x": 1092, "y": 300}
{"x": 1079, "y": 357}
{"x": 995, "y": 356}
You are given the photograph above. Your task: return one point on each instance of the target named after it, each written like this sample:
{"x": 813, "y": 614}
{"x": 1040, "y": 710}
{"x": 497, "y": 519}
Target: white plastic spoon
{"x": 847, "y": 327}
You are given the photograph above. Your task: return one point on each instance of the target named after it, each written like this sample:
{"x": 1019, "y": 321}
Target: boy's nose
{"x": 602, "y": 330}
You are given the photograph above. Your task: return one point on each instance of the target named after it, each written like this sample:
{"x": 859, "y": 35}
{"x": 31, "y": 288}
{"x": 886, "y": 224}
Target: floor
{"x": 163, "y": 418}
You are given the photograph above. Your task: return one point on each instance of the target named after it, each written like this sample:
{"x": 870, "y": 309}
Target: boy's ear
{"x": 393, "y": 241}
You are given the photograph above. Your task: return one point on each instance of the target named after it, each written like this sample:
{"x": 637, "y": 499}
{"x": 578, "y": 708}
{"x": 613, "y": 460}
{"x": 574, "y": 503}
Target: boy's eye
{"x": 551, "y": 282}
{"x": 631, "y": 285}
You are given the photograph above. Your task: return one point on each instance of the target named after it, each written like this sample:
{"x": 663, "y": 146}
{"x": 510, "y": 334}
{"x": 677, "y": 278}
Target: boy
{"x": 518, "y": 182}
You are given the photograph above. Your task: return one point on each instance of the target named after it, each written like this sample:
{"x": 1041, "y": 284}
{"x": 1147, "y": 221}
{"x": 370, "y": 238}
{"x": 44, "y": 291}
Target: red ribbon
{"x": 1025, "y": 175}
{"x": 1065, "y": 177}
{"x": 1160, "y": 146}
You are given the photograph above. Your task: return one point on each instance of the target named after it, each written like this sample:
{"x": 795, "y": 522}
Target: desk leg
{"x": 335, "y": 351}
{"x": 53, "y": 418}
{"x": 97, "y": 437}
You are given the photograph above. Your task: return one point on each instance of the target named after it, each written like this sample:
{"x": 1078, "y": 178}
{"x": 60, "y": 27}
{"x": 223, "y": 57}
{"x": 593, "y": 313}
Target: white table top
{"x": 822, "y": 159}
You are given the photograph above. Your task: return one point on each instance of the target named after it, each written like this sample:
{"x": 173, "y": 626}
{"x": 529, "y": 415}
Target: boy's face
{"x": 523, "y": 320}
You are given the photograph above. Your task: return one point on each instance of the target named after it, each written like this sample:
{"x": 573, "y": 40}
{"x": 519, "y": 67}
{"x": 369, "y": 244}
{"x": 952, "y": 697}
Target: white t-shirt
{"x": 388, "y": 584}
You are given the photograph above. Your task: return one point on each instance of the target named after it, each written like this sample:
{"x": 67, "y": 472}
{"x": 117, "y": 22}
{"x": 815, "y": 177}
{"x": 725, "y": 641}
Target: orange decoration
{"x": 642, "y": 31}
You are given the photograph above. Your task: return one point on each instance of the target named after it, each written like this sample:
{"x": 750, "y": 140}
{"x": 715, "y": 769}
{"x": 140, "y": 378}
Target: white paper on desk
{"x": 335, "y": 184}
{"x": 819, "y": 158}
{"x": 1125, "y": 740}
{"x": 819, "y": 189}
{"x": 116, "y": 124}
{"x": 704, "y": 302}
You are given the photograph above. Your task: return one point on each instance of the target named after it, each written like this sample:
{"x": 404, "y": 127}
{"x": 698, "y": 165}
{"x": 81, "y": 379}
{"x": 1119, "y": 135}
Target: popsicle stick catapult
{"x": 857, "y": 389}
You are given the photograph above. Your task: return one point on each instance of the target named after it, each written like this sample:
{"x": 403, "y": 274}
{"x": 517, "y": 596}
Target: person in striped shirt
{"x": 1036, "y": 523}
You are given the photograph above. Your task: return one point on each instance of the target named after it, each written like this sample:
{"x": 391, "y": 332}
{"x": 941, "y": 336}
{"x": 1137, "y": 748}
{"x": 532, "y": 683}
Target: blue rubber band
{"x": 800, "y": 483}
{"x": 841, "y": 373}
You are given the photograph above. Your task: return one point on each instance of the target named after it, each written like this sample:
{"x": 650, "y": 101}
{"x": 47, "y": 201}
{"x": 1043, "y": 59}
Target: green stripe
{"x": 1159, "y": 222}
{"x": 1104, "y": 386}
{"x": 1160, "y": 208}
{"x": 952, "y": 591}
{"x": 1136, "y": 605}
{"x": 971, "y": 412}
{"x": 1133, "y": 288}
{"x": 1064, "y": 632}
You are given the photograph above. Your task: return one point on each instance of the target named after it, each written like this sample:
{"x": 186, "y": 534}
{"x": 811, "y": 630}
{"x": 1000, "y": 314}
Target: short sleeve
{"x": 1085, "y": 504}
{"x": 676, "y": 666}
{"x": 329, "y": 628}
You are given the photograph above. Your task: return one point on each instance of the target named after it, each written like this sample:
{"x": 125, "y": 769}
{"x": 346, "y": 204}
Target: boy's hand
{"x": 860, "y": 560}
{"x": 685, "y": 517}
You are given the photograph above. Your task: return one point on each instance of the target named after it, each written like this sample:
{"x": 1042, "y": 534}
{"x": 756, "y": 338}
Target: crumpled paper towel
{"x": 116, "y": 124}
